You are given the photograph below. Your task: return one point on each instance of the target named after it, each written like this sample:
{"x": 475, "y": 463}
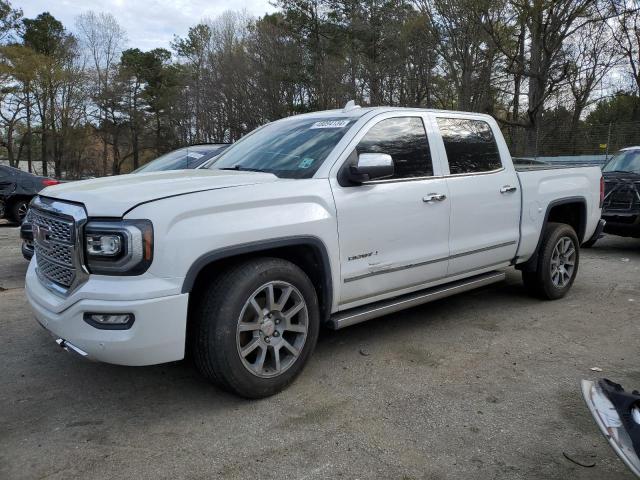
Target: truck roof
{"x": 355, "y": 111}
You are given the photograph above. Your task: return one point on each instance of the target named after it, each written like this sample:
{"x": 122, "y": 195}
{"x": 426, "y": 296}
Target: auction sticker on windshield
{"x": 330, "y": 124}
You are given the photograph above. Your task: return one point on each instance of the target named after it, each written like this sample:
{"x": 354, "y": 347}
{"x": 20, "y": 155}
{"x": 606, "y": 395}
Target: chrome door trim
{"x": 428, "y": 262}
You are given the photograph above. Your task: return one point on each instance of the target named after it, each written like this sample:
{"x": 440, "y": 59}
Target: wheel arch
{"x": 571, "y": 211}
{"x": 307, "y": 252}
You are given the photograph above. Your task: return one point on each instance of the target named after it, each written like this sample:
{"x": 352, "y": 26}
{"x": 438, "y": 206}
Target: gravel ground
{"x": 483, "y": 385}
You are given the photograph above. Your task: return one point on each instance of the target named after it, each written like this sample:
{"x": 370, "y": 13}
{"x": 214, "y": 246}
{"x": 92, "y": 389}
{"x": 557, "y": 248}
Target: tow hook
{"x": 69, "y": 347}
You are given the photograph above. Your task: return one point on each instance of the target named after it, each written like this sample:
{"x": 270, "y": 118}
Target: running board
{"x": 378, "y": 309}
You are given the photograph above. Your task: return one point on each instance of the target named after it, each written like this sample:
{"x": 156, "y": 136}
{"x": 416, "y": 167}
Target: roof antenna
{"x": 351, "y": 105}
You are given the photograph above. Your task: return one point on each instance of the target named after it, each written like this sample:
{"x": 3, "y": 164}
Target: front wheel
{"x": 256, "y": 326}
{"x": 19, "y": 210}
{"x": 557, "y": 265}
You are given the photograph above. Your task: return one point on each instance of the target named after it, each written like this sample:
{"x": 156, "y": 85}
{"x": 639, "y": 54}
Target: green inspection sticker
{"x": 306, "y": 162}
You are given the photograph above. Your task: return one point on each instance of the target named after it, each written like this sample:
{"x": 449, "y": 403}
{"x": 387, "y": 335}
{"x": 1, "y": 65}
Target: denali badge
{"x": 362, "y": 255}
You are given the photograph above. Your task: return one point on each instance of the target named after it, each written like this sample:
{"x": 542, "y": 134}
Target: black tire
{"x": 540, "y": 282}
{"x": 18, "y": 211}
{"x": 215, "y": 337}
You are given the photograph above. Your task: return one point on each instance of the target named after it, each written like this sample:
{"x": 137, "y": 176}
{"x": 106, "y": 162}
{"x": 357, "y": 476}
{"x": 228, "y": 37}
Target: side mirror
{"x": 371, "y": 166}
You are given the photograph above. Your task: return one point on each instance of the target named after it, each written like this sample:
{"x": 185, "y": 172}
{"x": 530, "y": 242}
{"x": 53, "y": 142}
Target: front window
{"x": 293, "y": 148}
{"x": 627, "y": 161}
{"x": 405, "y": 139}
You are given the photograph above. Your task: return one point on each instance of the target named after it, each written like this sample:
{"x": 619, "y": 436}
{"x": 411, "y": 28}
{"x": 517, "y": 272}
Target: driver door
{"x": 394, "y": 237}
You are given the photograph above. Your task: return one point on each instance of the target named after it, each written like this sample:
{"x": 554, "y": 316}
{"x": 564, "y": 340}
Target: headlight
{"x": 123, "y": 247}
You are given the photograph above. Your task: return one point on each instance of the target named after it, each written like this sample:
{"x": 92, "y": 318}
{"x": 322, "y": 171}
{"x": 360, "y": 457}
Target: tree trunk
{"x": 537, "y": 82}
{"x": 517, "y": 80}
{"x": 43, "y": 140}
{"x": 29, "y": 132}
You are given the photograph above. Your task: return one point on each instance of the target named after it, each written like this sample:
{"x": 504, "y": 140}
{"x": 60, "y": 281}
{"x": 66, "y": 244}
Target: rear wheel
{"x": 256, "y": 326}
{"x": 557, "y": 264}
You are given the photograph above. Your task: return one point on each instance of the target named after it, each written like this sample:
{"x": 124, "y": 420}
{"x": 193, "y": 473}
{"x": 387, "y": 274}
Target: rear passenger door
{"x": 484, "y": 194}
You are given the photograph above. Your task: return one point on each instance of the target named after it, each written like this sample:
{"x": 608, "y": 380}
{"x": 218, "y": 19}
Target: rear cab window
{"x": 470, "y": 145}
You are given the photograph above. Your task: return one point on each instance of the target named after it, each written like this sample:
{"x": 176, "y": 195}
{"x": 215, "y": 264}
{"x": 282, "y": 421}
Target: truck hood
{"x": 113, "y": 196}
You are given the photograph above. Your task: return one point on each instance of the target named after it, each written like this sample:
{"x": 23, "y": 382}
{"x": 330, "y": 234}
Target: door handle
{"x": 508, "y": 189}
{"x": 434, "y": 197}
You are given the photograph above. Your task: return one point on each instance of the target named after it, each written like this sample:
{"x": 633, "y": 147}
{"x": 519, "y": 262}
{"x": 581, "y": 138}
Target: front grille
{"x": 63, "y": 276}
{"x": 56, "y": 244}
{"x": 60, "y": 229}
{"x": 625, "y": 196}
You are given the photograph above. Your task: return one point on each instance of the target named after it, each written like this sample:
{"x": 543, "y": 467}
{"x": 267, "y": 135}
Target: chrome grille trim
{"x": 57, "y": 228}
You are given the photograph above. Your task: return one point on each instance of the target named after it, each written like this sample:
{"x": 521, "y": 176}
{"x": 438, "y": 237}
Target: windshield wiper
{"x": 242, "y": 169}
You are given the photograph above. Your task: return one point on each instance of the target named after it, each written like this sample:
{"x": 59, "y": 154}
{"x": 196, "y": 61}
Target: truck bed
{"x": 542, "y": 185}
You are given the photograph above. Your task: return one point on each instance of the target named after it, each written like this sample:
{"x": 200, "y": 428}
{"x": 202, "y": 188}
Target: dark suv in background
{"x": 621, "y": 205}
{"x": 17, "y": 188}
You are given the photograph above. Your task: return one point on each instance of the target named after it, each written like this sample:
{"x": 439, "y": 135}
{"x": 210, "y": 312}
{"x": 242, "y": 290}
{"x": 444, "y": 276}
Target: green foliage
{"x": 44, "y": 34}
{"x": 623, "y": 107}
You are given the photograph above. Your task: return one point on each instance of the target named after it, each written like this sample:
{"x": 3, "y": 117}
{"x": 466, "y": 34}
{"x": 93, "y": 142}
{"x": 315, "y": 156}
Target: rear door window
{"x": 470, "y": 145}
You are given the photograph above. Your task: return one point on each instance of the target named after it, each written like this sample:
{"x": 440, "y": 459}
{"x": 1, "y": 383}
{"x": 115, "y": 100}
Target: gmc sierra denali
{"x": 328, "y": 218}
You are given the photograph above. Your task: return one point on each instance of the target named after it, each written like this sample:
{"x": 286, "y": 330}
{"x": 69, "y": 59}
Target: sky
{"x": 148, "y": 23}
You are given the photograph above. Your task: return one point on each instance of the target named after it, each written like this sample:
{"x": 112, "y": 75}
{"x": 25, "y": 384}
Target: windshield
{"x": 293, "y": 148}
{"x": 183, "y": 158}
{"x": 625, "y": 161}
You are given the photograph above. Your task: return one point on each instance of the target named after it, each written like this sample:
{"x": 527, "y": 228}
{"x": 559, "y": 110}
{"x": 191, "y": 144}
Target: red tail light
{"x": 601, "y": 191}
{"x": 47, "y": 182}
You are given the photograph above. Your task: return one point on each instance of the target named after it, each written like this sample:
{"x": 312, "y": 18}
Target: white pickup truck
{"x": 328, "y": 218}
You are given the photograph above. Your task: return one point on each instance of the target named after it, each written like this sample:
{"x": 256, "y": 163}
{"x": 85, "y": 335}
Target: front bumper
{"x": 27, "y": 249}
{"x": 622, "y": 224}
{"x": 26, "y": 234}
{"x": 157, "y": 335}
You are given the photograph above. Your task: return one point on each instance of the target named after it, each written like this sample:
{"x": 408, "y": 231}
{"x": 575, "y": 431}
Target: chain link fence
{"x": 562, "y": 143}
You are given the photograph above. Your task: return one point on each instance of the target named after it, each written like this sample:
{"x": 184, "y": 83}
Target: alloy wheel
{"x": 272, "y": 329}
{"x": 563, "y": 261}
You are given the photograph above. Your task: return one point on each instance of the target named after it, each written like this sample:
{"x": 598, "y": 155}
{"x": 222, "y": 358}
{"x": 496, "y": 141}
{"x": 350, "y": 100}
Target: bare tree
{"x": 592, "y": 55}
{"x": 103, "y": 40}
{"x": 545, "y": 64}
{"x": 626, "y": 34}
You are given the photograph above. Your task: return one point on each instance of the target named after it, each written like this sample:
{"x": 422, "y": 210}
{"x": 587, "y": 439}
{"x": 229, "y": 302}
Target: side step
{"x": 378, "y": 309}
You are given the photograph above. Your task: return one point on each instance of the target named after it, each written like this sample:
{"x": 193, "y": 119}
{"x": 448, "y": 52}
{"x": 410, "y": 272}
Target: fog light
{"x": 110, "y": 321}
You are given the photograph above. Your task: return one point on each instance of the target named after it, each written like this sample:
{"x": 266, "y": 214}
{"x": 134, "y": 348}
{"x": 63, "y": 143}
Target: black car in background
{"x": 17, "y": 188}
{"x": 621, "y": 206}
{"x": 187, "y": 158}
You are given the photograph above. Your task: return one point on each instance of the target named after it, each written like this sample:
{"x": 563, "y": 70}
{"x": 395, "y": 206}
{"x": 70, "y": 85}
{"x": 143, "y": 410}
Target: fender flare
{"x": 582, "y": 227}
{"x": 263, "y": 245}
